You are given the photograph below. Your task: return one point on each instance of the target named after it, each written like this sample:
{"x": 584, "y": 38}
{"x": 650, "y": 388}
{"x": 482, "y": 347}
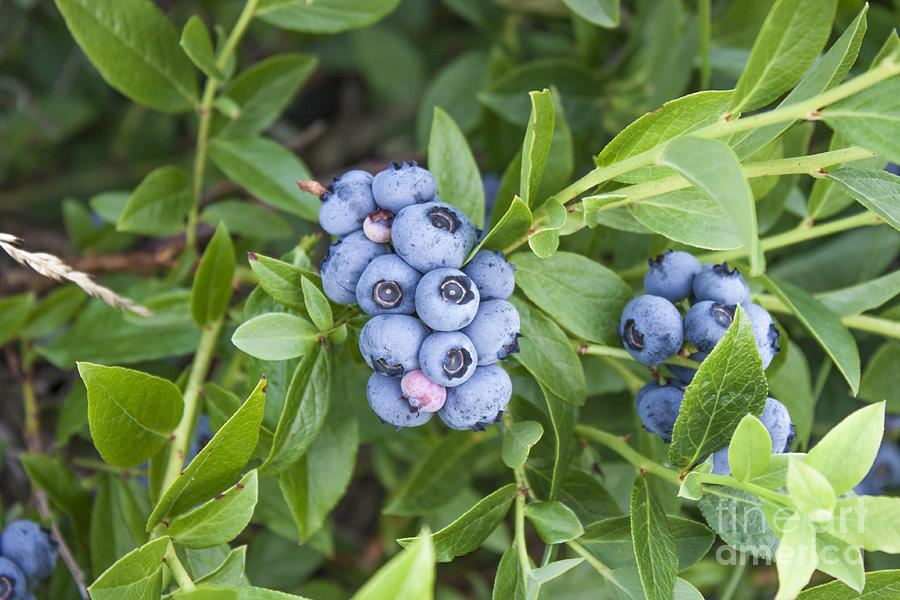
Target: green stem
{"x": 598, "y": 566}
{"x": 177, "y": 569}
{"x": 621, "y": 447}
{"x": 31, "y": 410}
{"x": 757, "y": 490}
{"x": 621, "y": 353}
{"x": 524, "y": 560}
{"x": 704, "y": 21}
{"x": 631, "y": 379}
{"x": 876, "y": 325}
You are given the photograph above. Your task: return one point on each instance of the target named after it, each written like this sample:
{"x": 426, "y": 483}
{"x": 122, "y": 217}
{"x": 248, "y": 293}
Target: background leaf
{"x": 653, "y": 544}
{"x": 324, "y": 16}
{"x": 212, "y": 287}
{"x": 451, "y": 162}
{"x": 159, "y": 205}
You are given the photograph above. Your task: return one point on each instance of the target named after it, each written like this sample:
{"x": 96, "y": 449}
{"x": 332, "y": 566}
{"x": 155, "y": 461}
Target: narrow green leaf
{"x": 544, "y": 240}
{"x": 454, "y": 88}
{"x": 796, "y": 556}
{"x": 455, "y": 172}
{"x": 583, "y": 493}
{"x": 870, "y": 118}
{"x": 219, "y": 520}
{"x": 809, "y": 489}
{"x": 159, "y": 205}
{"x": 604, "y": 13}
{"x": 877, "y": 190}
{"x": 512, "y": 227}
{"x": 212, "y": 287}
{"x": 872, "y": 522}
{"x": 535, "y": 578}
{"x": 792, "y": 382}
{"x": 61, "y": 485}
{"x": 554, "y": 521}
{"x": 562, "y": 421}
{"x": 230, "y": 572}
{"x": 316, "y": 305}
{"x": 509, "y": 581}
{"x": 654, "y": 547}
{"x": 328, "y": 16}
{"x": 518, "y": 440}
{"x": 864, "y": 296}
{"x": 117, "y": 518}
{"x": 276, "y": 336}
{"x": 257, "y": 593}
{"x": 879, "y": 584}
{"x": 280, "y": 280}
{"x": 51, "y": 312}
{"x": 14, "y": 314}
{"x": 536, "y": 146}
{"x": 840, "y": 560}
{"x": 410, "y": 574}
{"x": 197, "y": 44}
{"x": 750, "y": 449}
{"x": 135, "y": 575}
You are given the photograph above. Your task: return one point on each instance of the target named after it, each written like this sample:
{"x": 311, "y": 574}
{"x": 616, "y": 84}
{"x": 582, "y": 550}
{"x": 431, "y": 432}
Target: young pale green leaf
{"x": 226, "y": 107}
{"x": 881, "y": 379}
{"x": 870, "y": 118}
{"x": 793, "y": 35}
{"x": 859, "y": 298}
{"x": 230, "y": 572}
{"x": 218, "y": 464}
{"x": 878, "y": 584}
{"x": 323, "y": 17}
{"x": 840, "y": 560}
{"x": 159, "y": 204}
{"x": 14, "y": 312}
{"x": 135, "y": 575}
{"x": 509, "y": 582}
{"x": 872, "y": 522}
{"x": 131, "y": 414}
{"x": 518, "y": 439}
{"x": 654, "y": 547}
{"x": 877, "y": 190}
{"x": 280, "y": 280}
{"x": 276, "y": 336}
{"x": 554, "y": 521}
{"x": 690, "y": 217}
{"x": 250, "y": 592}
{"x": 545, "y": 239}
{"x": 219, "y": 520}
{"x": 809, "y": 489}
{"x": 466, "y": 533}
{"x": 737, "y": 516}
{"x": 847, "y": 452}
{"x": 117, "y": 518}
{"x": 305, "y": 407}
{"x": 796, "y": 556}
{"x": 247, "y": 219}
{"x": 135, "y": 48}
{"x": 604, "y": 13}
{"x": 212, "y": 287}
{"x": 410, "y": 574}
{"x": 729, "y": 384}
{"x": 583, "y": 296}
{"x": 750, "y": 449}
{"x": 691, "y": 487}
{"x": 823, "y": 324}
{"x": 512, "y": 227}
{"x": 536, "y": 147}
{"x": 535, "y": 578}
{"x": 267, "y": 170}
{"x": 52, "y": 312}
{"x": 197, "y": 44}
{"x": 317, "y": 305}
{"x": 713, "y": 167}
{"x": 455, "y": 172}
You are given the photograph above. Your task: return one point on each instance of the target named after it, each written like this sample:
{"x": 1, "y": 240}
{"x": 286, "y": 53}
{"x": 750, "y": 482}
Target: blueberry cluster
{"x": 438, "y": 328}
{"x": 27, "y": 555}
{"x": 885, "y": 471}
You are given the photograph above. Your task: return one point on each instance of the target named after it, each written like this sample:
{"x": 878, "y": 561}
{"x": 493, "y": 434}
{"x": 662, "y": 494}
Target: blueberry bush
{"x": 638, "y": 258}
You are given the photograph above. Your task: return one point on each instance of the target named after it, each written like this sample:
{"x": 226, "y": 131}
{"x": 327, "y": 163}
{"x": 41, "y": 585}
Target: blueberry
{"x": 686, "y": 374}
{"x": 705, "y": 324}
{"x": 201, "y": 438}
{"x": 885, "y": 471}
{"x": 721, "y": 284}
{"x": 494, "y": 276}
{"x": 346, "y": 204}
{"x": 448, "y": 358}
{"x": 386, "y": 400}
{"x": 422, "y": 393}
{"x": 494, "y": 331}
{"x": 402, "y": 184}
{"x": 13, "y": 585}
{"x": 671, "y": 275}
{"x": 433, "y": 235}
{"x": 390, "y": 344}
{"x": 346, "y": 260}
{"x": 377, "y": 226}
{"x": 777, "y": 421}
{"x": 478, "y": 402}
{"x": 446, "y": 299}
{"x": 388, "y": 286}
{"x": 657, "y": 406}
{"x": 651, "y": 329}
{"x": 29, "y": 546}
{"x": 764, "y": 331}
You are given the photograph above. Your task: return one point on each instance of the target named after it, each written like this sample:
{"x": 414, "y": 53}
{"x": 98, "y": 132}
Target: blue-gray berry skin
{"x": 671, "y": 275}
{"x": 386, "y": 400}
{"x": 29, "y": 546}
{"x": 494, "y": 331}
{"x": 478, "y": 402}
{"x": 346, "y": 204}
{"x": 705, "y": 324}
{"x": 388, "y": 286}
{"x": 686, "y": 374}
{"x": 765, "y": 332}
{"x": 347, "y": 258}
{"x": 721, "y": 284}
{"x": 13, "y": 585}
{"x": 448, "y": 358}
{"x": 390, "y": 344}
{"x": 432, "y": 235}
{"x": 402, "y": 184}
{"x": 777, "y": 421}
{"x": 651, "y": 329}
{"x": 885, "y": 471}
{"x": 494, "y": 276}
{"x": 658, "y": 406}
{"x": 447, "y": 299}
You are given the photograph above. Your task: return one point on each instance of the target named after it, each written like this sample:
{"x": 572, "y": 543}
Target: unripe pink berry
{"x": 377, "y": 226}
{"x": 422, "y": 393}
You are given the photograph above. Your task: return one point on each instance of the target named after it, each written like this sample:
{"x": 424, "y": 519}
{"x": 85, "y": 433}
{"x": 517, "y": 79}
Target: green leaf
{"x": 750, "y": 449}
{"x": 604, "y": 13}
{"x": 562, "y": 422}
{"x": 159, "y": 205}
{"x": 793, "y": 35}
{"x": 654, "y": 547}
{"x": 218, "y": 464}
{"x": 316, "y": 305}
{"x": 258, "y": 593}
{"x": 131, "y": 414}
{"x": 544, "y": 240}
{"x": 280, "y": 280}
{"x": 410, "y": 574}
{"x": 109, "y": 205}
{"x": 230, "y": 572}
{"x": 881, "y": 378}
{"x": 276, "y": 336}
{"x": 687, "y": 216}
{"x": 212, "y": 287}
{"x": 454, "y": 89}
{"x": 135, "y": 575}
{"x": 546, "y": 353}
{"x": 872, "y": 522}
{"x": 378, "y": 54}
{"x": 518, "y": 439}
{"x": 579, "y": 491}
{"x": 879, "y": 584}
{"x": 61, "y": 485}
{"x": 796, "y": 556}
{"x": 560, "y": 164}
{"x": 51, "y": 312}
{"x": 219, "y": 520}
{"x": 847, "y": 452}
{"x": 582, "y": 295}
{"x": 809, "y": 489}
{"x": 864, "y": 296}
{"x": 136, "y": 50}
{"x": 625, "y": 584}
{"x": 535, "y": 578}
{"x": 323, "y": 16}
{"x": 879, "y": 191}
{"x": 247, "y": 219}
{"x": 455, "y": 172}
{"x": 268, "y": 171}
{"x": 197, "y": 44}
{"x": 512, "y": 227}
{"x": 536, "y": 146}
{"x": 729, "y": 384}
{"x": 870, "y": 118}
{"x": 554, "y": 521}
{"x": 713, "y": 167}
{"x": 207, "y": 593}
{"x": 509, "y": 581}
{"x": 14, "y": 314}
{"x": 840, "y": 560}
{"x": 467, "y": 533}
{"x": 737, "y": 516}
{"x": 823, "y": 324}
{"x": 117, "y": 520}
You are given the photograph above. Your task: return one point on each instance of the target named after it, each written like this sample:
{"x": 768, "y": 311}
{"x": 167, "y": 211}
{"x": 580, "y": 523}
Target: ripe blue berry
{"x": 446, "y": 299}
{"x": 377, "y": 226}
{"x": 478, "y": 402}
{"x": 721, "y": 284}
{"x": 686, "y": 374}
{"x": 422, "y": 393}
{"x": 705, "y": 324}
{"x": 777, "y": 421}
{"x": 494, "y": 276}
{"x": 651, "y": 329}
{"x": 448, "y": 358}
{"x": 402, "y": 184}
{"x": 885, "y": 471}
{"x": 29, "y": 546}
{"x": 765, "y": 332}
{"x": 433, "y": 235}
{"x": 386, "y": 400}
{"x": 390, "y": 344}
{"x": 201, "y": 438}
{"x": 388, "y": 286}
{"x": 494, "y": 331}
{"x": 346, "y": 260}
{"x": 13, "y": 585}
{"x": 658, "y": 406}
{"x": 346, "y": 204}
{"x": 671, "y": 275}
